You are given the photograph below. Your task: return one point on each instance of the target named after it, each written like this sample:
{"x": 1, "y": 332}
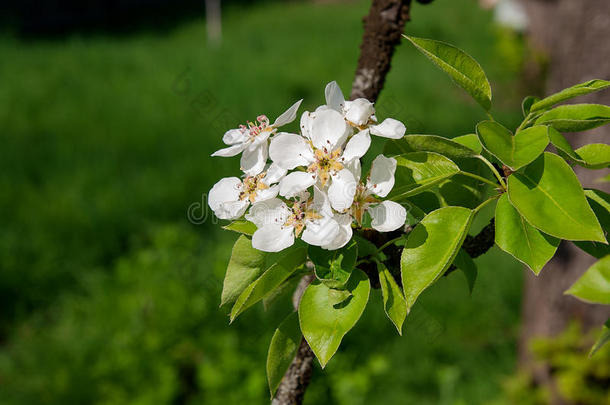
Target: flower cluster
{"x": 323, "y": 160}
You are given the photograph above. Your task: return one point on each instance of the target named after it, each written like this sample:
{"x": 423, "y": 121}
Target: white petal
{"x": 266, "y": 194}
{"x": 387, "y": 216}
{"x": 233, "y": 210}
{"x": 273, "y": 238}
{"x": 321, "y": 202}
{"x": 274, "y": 174}
{"x": 268, "y": 212}
{"x": 287, "y": 116}
{"x": 225, "y": 190}
{"x": 305, "y": 124}
{"x": 345, "y": 232}
{"x": 342, "y": 190}
{"x": 230, "y": 151}
{"x": 233, "y": 136}
{"x": 389, "y": 128}
{"x": 334, "y": 96}
{"x": 359, "y": 111}
{"x": 253, "y": 159}
{"x": 329, "y": 130}
{"x": 355, "y": 167}
{"x": 381, "y": 180}
{"x": 262, "y": 137}
{"x": 357, "y": 146}
{"x": 321, "y": 231}
{"x": 295, "y": 183}
{"x": 290, "y": 150}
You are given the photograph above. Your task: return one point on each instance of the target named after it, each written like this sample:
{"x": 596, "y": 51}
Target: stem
{"x": 486, "y": 202}
{"x": 495, "y": 172}
{"x": 526, "y": 121}
{"x": 483, "y": 179}
{"x": 390, "y": 242}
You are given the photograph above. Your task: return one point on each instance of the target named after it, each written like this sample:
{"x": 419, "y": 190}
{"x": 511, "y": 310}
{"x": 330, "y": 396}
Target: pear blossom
{"x": 230, "y": 197}
{"x": 324, "y": 152}
{"x": 251, "y": 140}
{"x": 279, "y": 223}
{"x": 360, "y": 114}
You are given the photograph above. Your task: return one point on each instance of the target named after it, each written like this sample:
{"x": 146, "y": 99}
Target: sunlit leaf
{"x": 594, "y": 285}
{"x": 284, "y": 345}
{"x": 576, "y": 117}
{"x": 600, "y": 203}
{"x": 594, "y": 155}
{"x": 428, "y": 143}
{"x": 245, "y": 266}
{"x": 241, "y": 226}
{"x": 604, "y": 338}
{"x": 333, "y": 267}
{"x": 419, "y": 171}
{"x": 394, "y": 303}
{"x": 470, "y": 141}
{"x": 569, "y": 93}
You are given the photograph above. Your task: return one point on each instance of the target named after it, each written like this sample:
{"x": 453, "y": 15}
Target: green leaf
{"x": 323, "y": 324}
{"x": 428, "y": 143}
{"x": 470, "y": 141}
{"x": 464, "y": 262}
{"x": 594, "y": 285}
{"x": 518, "y": 238}
{"x": 563, "y": 146}
{"x": 602, "y": 340}
{"x": 245, "y": 266}
{"x": 272, "y": 278}
{"x": 600, "y": 203}
{"x": 284, "y": 345}
{"x": 333, "y": 267}
{"x": 549, "y": 196}
{"x": 527, "y": 103}
{"x": 431, "y": 248}
{"x": 461, "y": 67}
{"x": 394, "y": 303}
{"x": 594, "y": 155}
{"x": 241, "y": 226}
{"x": 514, "y": 151}
{"x": 576, "y": 117}
{"x": 571, "y": 92}
{"x": 365, "y": 247}
{"x": 419, "y": 171}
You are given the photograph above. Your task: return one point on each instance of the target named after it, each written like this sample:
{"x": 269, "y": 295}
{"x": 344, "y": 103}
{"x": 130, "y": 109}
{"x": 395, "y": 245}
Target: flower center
{"x": 326, "y": 163}
{"x": 254, "y": 129}
{"x": 301, "y": 212}
{"x": 362, "y": 199}
{"x": 251, "y": 186}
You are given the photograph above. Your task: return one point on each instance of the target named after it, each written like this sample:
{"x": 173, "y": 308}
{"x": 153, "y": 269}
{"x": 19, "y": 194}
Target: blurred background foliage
{"x": 109, "y": 294}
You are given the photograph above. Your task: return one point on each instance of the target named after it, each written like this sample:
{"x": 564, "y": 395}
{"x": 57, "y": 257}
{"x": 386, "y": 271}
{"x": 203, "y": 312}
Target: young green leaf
{"x": 241, "y": 226}
{"x": 604, "y": 338}
{"x": 245, "y": 266}
{"x": 600, "y": 203}
{"x": 431, "y": 248}
{"x": 514, "y": 151}
{"x": 428, "y": 143}
{"x": 284, "y": 345}
{"x": 518, "y": 238}
{"x": 526, "y": 104}
{"x": 333, "y": 267}
{"x": 394, "y": 303}
{"x": 468, "y": 267}
{"x": 594, "y": 155}
{"x": 563, "y": 147}
{"x": 576, "y": 117}
{"x": 272, "y": 278}
{"x": 323, "y": 324}
{"x": 594, "y": 285}
{"x": 419, "y": 171}
{"x": 549, "y": 196}
{"x": 569, "y": 93}
{"x": 470, "y": 141}
{"x": 460, "y": 66}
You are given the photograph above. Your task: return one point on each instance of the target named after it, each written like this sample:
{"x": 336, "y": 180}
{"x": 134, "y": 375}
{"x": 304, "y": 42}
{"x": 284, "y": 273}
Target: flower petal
{"x": 345, "y": 232}
{"x": 274, "y": 174}
{"x": 381, "y": 180}
{"x": 389, "y": 128}
{"x": 328, "y": 130}
{"x": 253, "y": 159}
{"x": 321, "y": 203}
{"x": 233, "y": 136}
{"x": 268, "y": 212}
{"x": 230, "y": 151}
{"x": 273, "y": 238}
{"x": 359, "y": 111}
{"x": 387, "y": 216}
{"x": 355, "y": 167}
{"x": 305, "y": 124}
{"x": 320, "y": 231}
{"x": 225, "y": 190}
{"x": 357, "y": 146}
{"x": 287, "y": 116}
{"x": 266, "y": 194}
{"x": 295, "y": 183}
{"x": 334, "y": 96}
{"x": 342, "y": 190}
{"x": 290, "y": 150}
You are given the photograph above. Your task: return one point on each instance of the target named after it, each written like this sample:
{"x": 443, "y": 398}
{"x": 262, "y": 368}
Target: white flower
{"x": 386, "y": 215}
{"x": 231, "y": 196}
{"x": 360, "y": 113}
{"x": 278, "y": 224}
{"x": 252, "y": 140}
{"x": 322, "y": 151}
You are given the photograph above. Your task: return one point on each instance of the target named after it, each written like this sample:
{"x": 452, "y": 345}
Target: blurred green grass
{"x": 109, "y": 294}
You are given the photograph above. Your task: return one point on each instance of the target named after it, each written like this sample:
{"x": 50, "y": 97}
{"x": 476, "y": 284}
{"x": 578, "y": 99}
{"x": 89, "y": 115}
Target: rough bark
{"x": 574, "y": 34}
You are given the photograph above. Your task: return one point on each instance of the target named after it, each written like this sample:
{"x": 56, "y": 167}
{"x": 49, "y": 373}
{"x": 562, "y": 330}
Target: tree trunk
{"x": 575, "y": 34}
